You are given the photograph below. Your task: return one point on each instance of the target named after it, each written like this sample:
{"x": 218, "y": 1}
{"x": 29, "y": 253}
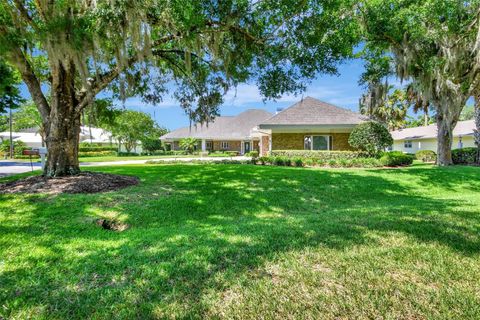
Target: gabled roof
{"x": 310, "y": 111}
{"x": 223, "y": 128}
{"x": 463, "y": 128}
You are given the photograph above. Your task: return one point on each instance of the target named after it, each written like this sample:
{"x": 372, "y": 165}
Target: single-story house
{"x": 225, "y": 133}
{"x": 411, "y": 140}
{"x": 33, "y": 139}
{"x": 309, "y": 124}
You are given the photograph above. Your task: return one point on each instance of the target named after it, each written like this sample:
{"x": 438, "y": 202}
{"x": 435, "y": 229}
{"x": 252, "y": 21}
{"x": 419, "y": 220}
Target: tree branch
{"x": 99, "y": 83}
{"x": 28, "y": 75}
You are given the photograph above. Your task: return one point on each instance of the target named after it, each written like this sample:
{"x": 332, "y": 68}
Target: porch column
{"x": 269, "y": 143}
{"x": 204, "y": 145}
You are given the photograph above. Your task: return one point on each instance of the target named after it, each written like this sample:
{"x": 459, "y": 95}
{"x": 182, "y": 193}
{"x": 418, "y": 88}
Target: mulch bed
{"x": 85, "y": 182}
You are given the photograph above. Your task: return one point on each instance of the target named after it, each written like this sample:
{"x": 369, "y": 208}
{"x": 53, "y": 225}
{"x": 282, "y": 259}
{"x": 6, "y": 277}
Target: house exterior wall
{"x": 232, "y": 145}
{"x": 256, "y": 145}
{"x": 295, "y": 141}
{"x": 430, "y": 144}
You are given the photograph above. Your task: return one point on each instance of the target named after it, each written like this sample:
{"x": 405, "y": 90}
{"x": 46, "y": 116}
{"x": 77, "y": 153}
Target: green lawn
{"x": 226, "y": 241}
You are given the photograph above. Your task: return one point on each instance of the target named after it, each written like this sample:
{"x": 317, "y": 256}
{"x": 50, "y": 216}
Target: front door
{"x": 246, "y": 146}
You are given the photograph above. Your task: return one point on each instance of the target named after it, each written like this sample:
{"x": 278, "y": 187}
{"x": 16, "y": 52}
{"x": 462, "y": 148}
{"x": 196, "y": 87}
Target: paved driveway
{"x": 10, "y": 167}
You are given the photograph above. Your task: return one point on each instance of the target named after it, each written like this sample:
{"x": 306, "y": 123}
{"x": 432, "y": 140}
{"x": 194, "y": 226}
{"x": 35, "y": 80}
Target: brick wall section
{"x": 232, "y": 145}
{"x": 294, "y": 141}
{"x": 264, "y": 149}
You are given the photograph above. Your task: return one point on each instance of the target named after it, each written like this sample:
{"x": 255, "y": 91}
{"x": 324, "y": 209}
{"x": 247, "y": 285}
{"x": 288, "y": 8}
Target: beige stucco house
{"x": 411, "y": 140}
{"x": 309, "y": 124}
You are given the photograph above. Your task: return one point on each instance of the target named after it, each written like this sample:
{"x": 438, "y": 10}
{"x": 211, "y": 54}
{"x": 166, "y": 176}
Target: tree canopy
{"x": 435, "y": 45}
{"x": 79, "y": 48}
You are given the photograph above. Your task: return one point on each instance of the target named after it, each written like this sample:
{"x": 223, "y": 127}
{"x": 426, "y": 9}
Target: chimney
{"x": 278, "y": 110}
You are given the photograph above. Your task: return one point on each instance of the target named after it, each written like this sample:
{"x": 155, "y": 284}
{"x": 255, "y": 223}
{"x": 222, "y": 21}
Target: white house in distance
{"x": 411, "y": 140}
{"x": 32, "y": 138}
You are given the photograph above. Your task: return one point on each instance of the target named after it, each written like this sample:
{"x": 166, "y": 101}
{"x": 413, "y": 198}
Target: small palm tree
{"x": 188, "y": 144}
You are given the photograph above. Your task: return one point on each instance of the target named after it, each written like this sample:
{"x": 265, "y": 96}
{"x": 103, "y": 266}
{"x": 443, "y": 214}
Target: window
{"x": 224, "y": 145}
{"x": 209, "y": 145}
{"x": 317, "y": 142}
{"x": 408, "y": 144}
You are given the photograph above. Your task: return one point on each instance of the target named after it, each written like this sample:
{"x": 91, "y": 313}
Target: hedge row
{"x": 85, "y": 154}
{"x": 321, "y": 155}
{"x": 465, "y": 156}
{"x": 312, "y": 162}
{"x": 96, "y": 149}
{"x": 396, "y": 159}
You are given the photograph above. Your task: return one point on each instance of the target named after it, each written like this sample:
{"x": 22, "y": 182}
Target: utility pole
{"x": 11, "y": 134}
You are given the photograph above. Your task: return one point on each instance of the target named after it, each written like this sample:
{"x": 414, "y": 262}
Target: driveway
{"x": 10, "y": 167}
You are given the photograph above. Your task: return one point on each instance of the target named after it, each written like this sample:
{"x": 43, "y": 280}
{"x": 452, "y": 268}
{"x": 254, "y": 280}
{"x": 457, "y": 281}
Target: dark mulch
{"x": 85, "y": 182}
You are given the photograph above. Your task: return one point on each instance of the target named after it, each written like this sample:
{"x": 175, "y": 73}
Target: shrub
{"x": 188, "y": 144}
{"x": 253, "y": 154}
{"x": 395, "y": 159}
{"x": 426, "y": 156}
{"x": 287, "y": 162}
{"x": 298, "y": 162}
{"x": 18, "y": 147}
{"x": 97, "y": 154}
{"x": 371, "y": 137}
{"x": 127, "y": 154}
{"x": 232, "y": 153}
{"x": 265, "y": 160}
{"x": 324, "y": 155}
{"x": 464, "y": 156}
{"x": 278, "y": 161}
{"x": 84, "y": 148}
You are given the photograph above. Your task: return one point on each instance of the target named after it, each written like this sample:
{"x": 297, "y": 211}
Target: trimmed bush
{"x": 96, "y": 149}
{"x": 298, "y": 162}
{"x": 253, "y": 154}
{"x": 232, "y": 153}
{"x": 370, "y": 137}
{"x": 464, "y": 155}
{"x": 278, "y": 161}
{"x": 324, "y": 155}
{"x": 426, "y": 156}
{"x": 396, "y": 159}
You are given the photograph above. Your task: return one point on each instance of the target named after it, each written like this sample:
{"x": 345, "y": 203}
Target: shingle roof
{"x": 223, "y": 128}
{"x": 462, "y": 128}
{"x": 310, "y": 111}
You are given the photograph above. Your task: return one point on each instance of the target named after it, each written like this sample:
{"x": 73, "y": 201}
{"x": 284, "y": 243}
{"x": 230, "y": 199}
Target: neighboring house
{"x": 309, "y": 124}
{"x": 411, "y": 140}
{"x": 230, "y": 133}
{"x": 32, "y": 138}
{"x": 95, "y": 135}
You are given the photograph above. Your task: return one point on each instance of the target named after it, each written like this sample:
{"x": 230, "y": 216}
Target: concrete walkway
{"x": 11, "y": 167}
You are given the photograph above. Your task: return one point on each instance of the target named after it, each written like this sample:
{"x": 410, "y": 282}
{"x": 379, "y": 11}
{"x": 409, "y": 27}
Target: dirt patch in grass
{"x": 112, "y": 225}
{"x": 85, "y": 182}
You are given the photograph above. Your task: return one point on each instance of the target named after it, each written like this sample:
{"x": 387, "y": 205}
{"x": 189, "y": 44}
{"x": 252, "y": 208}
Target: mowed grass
{"x": 249, "y": 242}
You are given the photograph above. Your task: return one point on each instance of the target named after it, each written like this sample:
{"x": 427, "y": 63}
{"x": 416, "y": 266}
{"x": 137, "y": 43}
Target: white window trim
{"x": 410, "y": 143}
{"x": 224, "y": 145}
{"x": 327, "y": 136}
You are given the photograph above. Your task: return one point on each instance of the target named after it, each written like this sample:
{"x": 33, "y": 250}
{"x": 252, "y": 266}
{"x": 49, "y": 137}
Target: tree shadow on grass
{"x": 195, "y": 229}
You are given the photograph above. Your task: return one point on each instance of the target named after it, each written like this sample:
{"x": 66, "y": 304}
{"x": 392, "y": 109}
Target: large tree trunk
{"x": 476, "y": 131}
{"x": 445, "y": 126}
{"x": 63, "y": 129}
